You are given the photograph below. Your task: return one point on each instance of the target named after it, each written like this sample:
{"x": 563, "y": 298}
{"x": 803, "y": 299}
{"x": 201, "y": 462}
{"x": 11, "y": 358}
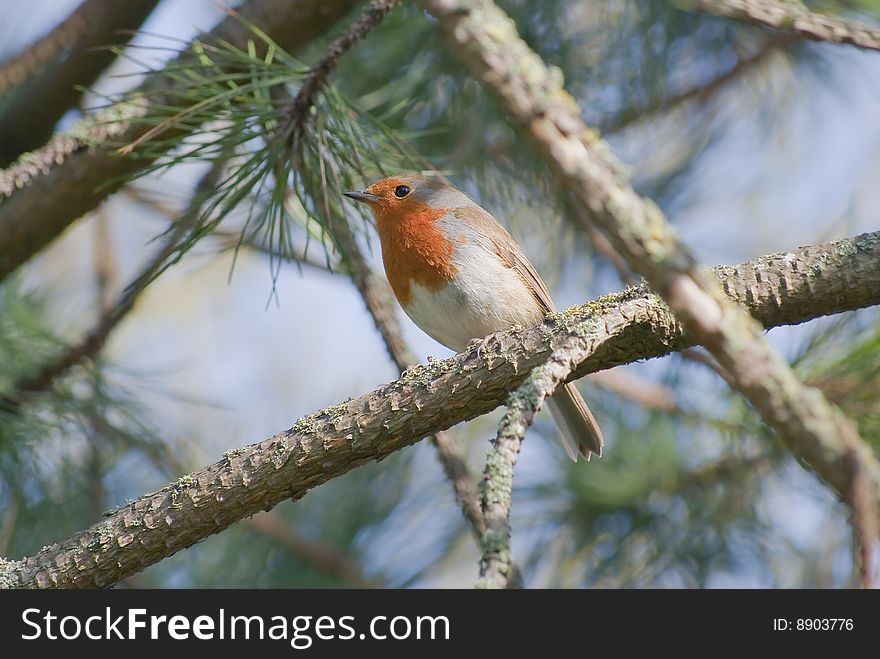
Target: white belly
{"x": 480, "y": 300}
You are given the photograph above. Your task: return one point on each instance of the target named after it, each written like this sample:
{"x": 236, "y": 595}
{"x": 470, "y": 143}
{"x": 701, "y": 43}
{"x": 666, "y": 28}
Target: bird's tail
{"x": 580, "y": 432}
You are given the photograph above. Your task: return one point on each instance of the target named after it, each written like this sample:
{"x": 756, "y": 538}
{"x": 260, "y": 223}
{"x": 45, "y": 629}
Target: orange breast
{"x": 414, "y": 249}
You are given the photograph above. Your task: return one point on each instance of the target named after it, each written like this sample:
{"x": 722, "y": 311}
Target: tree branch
{"x": 51, "y": 74}
{"x": 231, "y": 240}
{"x": 496, "y": 488}
{"x": 865, "y": 522}
{"x": 301, "y": 105}
{"x": 633, "y": 325}
{"x": 793, "y": 16}
{"x": 533, "y": 96}
{"x": 648, "y": 394}
{"x": 64, "y": 183}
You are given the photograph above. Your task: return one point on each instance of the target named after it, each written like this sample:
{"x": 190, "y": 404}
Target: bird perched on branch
{"x": 459, "y": 275}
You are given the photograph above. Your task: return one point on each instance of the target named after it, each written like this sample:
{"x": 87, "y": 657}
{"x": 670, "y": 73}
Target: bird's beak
{"x": 363, "y": 196}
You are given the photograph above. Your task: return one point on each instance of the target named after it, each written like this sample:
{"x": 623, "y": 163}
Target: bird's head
{"x": 395, "y": 198}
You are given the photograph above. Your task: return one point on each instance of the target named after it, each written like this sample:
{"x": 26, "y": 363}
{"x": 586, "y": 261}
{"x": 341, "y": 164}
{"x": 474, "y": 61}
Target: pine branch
{"x": 47, "y": 79}
{"x": 793, "y": 16}
{"x": 533, "y": 97}
{"x": 66, "y": 183}
{"x": 234, "y": 240}
{"x": 634, "y": 325}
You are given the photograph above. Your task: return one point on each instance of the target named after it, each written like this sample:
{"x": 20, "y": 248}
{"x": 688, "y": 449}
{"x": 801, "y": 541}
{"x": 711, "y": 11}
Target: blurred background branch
{"x": 49, "y": 77}
{"x": 702, "y": 92}
{"x": 112, "y": 315}
{"x": 795, "y": 17}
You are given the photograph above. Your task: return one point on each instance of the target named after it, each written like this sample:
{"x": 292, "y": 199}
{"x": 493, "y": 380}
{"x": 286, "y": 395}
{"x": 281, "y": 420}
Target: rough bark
{"x": 496, "y": 489}
{"x": 633, "y": 325}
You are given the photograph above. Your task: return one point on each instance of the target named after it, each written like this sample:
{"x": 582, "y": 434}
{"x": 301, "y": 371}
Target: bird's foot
{"x": 482, "y": 345}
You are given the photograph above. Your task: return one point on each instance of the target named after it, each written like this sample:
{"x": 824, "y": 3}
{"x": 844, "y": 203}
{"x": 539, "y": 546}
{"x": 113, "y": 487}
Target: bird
{"x": 460, "y": 276}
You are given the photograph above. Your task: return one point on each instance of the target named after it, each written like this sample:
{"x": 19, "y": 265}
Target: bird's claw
{"x": 481, "y": 345}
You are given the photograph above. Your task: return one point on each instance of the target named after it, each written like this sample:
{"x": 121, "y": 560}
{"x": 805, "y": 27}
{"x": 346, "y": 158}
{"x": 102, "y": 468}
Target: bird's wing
{"x": 509, "y": 251}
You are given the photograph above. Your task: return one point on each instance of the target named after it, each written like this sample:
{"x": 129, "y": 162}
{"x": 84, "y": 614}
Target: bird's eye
{"x": 401, "y": 191}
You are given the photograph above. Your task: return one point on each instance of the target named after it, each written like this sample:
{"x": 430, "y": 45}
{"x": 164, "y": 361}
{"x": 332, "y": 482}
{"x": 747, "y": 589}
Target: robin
{"x": 459, "y": 275}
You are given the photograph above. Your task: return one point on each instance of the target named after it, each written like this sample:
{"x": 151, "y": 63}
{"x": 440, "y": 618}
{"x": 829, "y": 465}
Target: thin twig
{"x": 106, "y": 271}
{"x": 600, "y": 243}
{"x": 865, "y": 523}
{"x": 649, "y": 394}
{"x": 233, "y": 240}
{"x": 106, "y": 267}
{"x": 699, "y": 356}
{"x": 300, "y": 107}
{"x": 703, "y": 92}
{"x": 728, "y": 469}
